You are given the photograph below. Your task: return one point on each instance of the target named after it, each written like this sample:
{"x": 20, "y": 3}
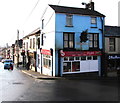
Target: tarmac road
{"x": 16, "y": 86}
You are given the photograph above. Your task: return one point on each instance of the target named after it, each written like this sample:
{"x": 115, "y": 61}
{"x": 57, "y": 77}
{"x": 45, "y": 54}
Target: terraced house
{"x": 112, "y": 48}
{"x": 71, "y": 40}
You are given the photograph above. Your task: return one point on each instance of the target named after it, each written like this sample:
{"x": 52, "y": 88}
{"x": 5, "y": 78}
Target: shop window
{"x": 77, "y": 58}
{"x": 94, "y": 57}
{"x": 67, "y": 67}
{"x": 66, "y": 58}
{"x": 49, "y": 63}
{"x": 83, "y": 58}
{"x": 75, "y": 66}
{"x": 89, "y": 58}
{"x": 71, "y": 58}
{"x": 46, "y": 61}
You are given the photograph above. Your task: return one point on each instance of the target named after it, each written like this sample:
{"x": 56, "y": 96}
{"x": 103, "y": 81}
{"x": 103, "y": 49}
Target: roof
{"x": 74, "y": 10}
{"x": 35, "y": 32}
{"x": 112, "y": 31}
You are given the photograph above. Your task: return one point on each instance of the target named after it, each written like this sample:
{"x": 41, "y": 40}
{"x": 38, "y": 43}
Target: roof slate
{"x": 74, "y": 10}
{"x": 112, "y": 31}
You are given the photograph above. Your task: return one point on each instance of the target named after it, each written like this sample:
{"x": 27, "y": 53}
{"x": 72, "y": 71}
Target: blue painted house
{"x": 71, "y": 40}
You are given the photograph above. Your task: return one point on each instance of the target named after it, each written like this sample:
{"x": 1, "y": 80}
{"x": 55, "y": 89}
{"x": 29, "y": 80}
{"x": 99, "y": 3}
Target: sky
{"x": 25, "y": 15}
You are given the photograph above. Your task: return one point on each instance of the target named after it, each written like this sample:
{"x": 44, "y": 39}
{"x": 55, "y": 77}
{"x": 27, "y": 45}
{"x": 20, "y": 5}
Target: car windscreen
{"x": 10, "y": 61}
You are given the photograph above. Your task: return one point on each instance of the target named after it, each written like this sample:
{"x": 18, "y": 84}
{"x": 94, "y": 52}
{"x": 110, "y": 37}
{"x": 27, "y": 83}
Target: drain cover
{"x": 17, "y": 83}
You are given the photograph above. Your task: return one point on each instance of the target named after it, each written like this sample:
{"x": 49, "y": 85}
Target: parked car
{"x": 8, "y": 64}
{"x": 2, "y": 60}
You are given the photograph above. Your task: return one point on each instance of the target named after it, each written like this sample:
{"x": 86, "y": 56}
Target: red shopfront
{"x": 80, "y": 61}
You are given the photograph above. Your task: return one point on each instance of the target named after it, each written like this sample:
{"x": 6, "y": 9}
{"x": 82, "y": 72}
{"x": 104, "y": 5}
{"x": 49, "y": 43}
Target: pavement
{"x": 37, "y": 75}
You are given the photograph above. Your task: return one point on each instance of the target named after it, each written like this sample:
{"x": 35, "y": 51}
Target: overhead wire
{"x": 44, "y": 13}
{"x": 31, "y": 12}
{"x": 52, "y": 14}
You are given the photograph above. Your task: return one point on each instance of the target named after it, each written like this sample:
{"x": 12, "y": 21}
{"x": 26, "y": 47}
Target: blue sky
{"x": 17, "y": 14}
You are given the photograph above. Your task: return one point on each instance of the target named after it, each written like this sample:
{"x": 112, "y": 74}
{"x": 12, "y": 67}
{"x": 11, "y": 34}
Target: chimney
{"x": 92, "y": 5}
{"x": 89, "y": 5}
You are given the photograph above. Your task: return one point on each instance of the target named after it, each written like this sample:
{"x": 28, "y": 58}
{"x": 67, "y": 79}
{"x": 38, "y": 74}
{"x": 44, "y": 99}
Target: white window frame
{"x": 69, "y": 20}
{"x": 93, "y": 20}
{"x": 71, "y": 61}
{"x": 47, "y": 58}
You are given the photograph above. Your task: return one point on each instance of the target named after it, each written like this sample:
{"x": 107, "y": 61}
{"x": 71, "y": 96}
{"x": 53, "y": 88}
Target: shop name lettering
{"x": 114, "y": 57}
{"x": 80, "y": 53}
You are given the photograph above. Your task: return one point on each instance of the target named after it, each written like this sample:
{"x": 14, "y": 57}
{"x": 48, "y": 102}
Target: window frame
{"x": 42, "y": 39}
{"x": 68, "y": 40}
{"x": 31, "y": 43}
{"x": 69, "y": 69}
{"x": 94, "y": 19}
{"x": 93, "y": 41}
{"x": 42, "y": 23}
{"x": 112, "y": 45}
{"x": 69, "y": 20}
{"x": 34, "y": 43}
{"x": 47, "y": 63}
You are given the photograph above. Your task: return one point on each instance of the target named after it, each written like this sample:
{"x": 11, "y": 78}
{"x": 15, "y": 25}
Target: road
{"x": 13, "y": 84}
{"x": 17, "y": 86}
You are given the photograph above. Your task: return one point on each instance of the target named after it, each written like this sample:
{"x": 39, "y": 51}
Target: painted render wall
{"x": 55, "y": 25}
{"x": 49, "y": 36}
{"x": 80, "y": 23}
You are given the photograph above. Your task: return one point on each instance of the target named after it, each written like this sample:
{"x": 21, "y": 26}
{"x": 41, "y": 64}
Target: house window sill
{"x": 68, "y": 25}
{"x": 93, "y": 27}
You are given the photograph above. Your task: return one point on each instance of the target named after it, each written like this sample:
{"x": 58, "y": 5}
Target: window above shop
{"x": 112, "y": 44}
{"x": 30, "y": 43}
{"x": 93, "y": 22}
{"x": 93, "y": 41}
{"x": 69, "y": 20}
{"x": 68, "y": 42}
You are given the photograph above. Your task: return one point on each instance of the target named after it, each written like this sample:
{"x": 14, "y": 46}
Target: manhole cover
{"x": 17, "y": 83}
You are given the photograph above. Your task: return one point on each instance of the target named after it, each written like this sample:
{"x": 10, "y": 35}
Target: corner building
{"x": 71, "y": 41}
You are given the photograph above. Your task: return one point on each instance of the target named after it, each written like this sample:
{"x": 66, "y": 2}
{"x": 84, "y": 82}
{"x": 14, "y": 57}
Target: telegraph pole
{"x": 17, "y": 48}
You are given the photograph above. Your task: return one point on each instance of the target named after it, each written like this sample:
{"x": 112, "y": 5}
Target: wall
{"x": 118, "y": 45}
{"x": 80, "y": 23}
{"x": 49, "y": 36}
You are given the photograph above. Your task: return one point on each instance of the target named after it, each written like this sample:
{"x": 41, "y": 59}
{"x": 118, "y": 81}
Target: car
{"x": 2, "y": 60}
{"x": 8, "y": 63}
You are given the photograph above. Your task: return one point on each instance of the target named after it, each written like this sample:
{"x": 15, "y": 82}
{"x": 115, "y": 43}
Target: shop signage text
{"x": 79, "y": 53}
{"x": 114, "y": 57}
{"x": 46, "y": 52}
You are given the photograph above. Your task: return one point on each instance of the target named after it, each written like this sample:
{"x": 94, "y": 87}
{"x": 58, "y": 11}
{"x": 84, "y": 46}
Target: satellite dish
{"x": 83, "y": 3}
